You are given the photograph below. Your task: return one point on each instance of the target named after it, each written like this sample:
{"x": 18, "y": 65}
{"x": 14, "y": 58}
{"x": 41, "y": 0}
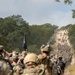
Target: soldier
{"x": 14, "y": 64}
{"x": 24, "y": 53}
{"x": 44, "y": 58}
{"x": 4, "y": 66}
{"x": 3, "y": 52}
{"x": 17, "y": 69}
{"x": 31, "y": 65}
{"x": 30, "y": 60}
{"x": 21, "y": 58}
{"x": 61, "y": 65}
{"x": 14, "y": 53}
{"x": 14, "y": 60}
{"x": 54, "y": 68}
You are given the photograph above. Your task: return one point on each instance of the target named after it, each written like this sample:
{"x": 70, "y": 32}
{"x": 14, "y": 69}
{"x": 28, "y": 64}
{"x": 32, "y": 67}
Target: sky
{"x": 39, "y": 11}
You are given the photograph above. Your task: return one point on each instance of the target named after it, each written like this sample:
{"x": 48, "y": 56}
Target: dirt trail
{"x": 63, "y": 48}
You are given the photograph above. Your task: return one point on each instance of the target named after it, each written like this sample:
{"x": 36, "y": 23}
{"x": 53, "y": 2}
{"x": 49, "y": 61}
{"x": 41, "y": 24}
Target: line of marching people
{"x": 26, "y": 63}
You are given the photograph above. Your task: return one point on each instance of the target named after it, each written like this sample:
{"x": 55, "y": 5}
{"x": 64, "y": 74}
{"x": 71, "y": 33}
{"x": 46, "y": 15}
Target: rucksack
{"x": 61, "y": 64}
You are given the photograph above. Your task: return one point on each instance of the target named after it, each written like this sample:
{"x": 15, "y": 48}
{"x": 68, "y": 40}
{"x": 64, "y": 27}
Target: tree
{"x": 68, "y": 2}
{"x": 71, "y": 30}
{"x": 65, "y": 1}
{"x": 73, "y": 13}
{"x": 12, "y": 30}
{"x": 41, "y": 33}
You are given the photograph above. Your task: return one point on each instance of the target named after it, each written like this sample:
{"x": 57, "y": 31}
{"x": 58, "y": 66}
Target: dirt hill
{"x": 63, "y": 47}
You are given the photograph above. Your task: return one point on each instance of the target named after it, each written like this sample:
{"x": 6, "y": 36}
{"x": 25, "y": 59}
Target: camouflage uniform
{"x": 14, "y": 59}
{"x": 4, "y": 62}
{"x": 15, "y": 53}
{"x": 61, "y": 64}
{"x": 4, "y": 67}
{"x": 17, "y": 70}
{"x": 54, "y": 68}
{"x": 31, "y": 71}
{"x": 21, "y": 58}
{"x": 45, "y": 59}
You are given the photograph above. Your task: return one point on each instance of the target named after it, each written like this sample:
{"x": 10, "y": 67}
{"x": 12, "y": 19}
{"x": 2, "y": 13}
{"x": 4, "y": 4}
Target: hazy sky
{"x": 39, "y": 11}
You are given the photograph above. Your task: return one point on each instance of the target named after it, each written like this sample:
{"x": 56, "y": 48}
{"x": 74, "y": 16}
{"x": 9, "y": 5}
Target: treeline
{"x": 13, "y": 29}
{"x": 71, "y": 29}
{"x": 71, "y": 33}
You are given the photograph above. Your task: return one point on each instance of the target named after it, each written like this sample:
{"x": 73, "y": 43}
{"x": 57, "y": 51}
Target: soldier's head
{"x": 1, "y": 49}
{"x": 24, "y": 53}
{"x": 14, "y": 53}
{"x": 45, "y": 50}
{"x": 31, "y": 60}
{"x": 15, "y": 58}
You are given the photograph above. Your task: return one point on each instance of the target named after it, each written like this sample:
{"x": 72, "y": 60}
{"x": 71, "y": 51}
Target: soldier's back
{"x": 30, "y": 71}
{"x": 39, "y": 70}
{"x": 4, "y": 67}
{"x": 17, "y": 70}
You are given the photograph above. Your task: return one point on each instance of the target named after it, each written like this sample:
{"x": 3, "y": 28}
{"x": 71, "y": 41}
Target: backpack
{"x": 30, "y": 71}
{"x": 62, "y": 65}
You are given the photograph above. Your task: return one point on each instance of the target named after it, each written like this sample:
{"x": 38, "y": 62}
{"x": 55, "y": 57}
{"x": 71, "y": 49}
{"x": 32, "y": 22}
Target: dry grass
{"x": 71, "y": 69}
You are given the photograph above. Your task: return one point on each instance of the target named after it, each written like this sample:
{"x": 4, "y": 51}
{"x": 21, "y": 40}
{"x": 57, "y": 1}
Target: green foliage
{"x": 73, "y": 13}
{"x": 71, "y": 34}
{"x": 13, "y": 29}
{"x": 68, "y": 2}
{"x": 41, "y": 33}
{"x": 33, "y": 48}
{"x": 65, "y": 1}
{"x": 11, "y": 34}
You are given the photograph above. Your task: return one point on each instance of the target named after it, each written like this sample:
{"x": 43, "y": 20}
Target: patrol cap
{"x": 30, "y": 58}
{"x": 15, "y": 58}
{"x": 10, "y": 54}
{"x": 1, "y": 47}
{"x": 14, "y": 53}
{"x": 24, "y": 52}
